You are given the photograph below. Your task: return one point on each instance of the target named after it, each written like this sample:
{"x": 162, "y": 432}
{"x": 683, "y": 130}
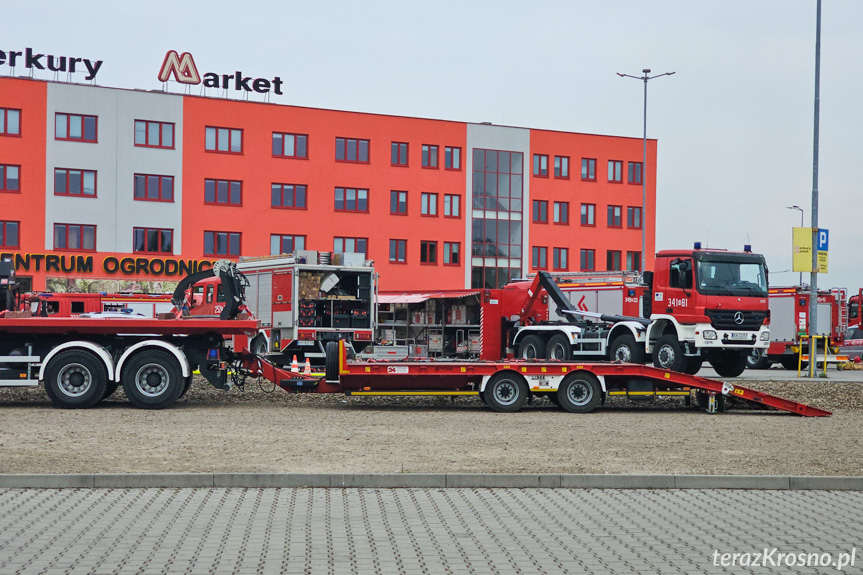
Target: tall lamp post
{"x": 644, "y": 79}
{"x": 799, "y": 209}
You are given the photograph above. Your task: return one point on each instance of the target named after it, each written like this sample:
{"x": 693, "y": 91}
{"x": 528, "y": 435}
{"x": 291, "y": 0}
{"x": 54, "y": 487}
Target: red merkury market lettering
{"x": 33, "y": 60}
{"x": 110, "y": 265}
{"x": 183, "y": 68}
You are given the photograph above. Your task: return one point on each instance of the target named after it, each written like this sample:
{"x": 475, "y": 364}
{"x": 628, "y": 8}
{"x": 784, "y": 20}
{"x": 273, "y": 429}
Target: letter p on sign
{"x": 823, "y": 236}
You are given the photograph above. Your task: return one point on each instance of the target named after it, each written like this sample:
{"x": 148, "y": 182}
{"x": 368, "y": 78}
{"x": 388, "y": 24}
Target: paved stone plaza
{"x": 212, "y": 530}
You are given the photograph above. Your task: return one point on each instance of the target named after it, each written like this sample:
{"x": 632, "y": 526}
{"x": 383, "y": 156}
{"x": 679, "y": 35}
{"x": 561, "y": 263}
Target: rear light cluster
{"x": 306, "y": 335}
{"x": 363, "y": 335}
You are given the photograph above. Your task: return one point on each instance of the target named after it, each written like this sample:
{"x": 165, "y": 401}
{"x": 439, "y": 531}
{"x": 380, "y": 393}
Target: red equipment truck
{"x": 75, "y": 304}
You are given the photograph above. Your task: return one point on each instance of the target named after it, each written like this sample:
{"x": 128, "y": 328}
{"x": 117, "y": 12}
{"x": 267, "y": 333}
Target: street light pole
{"x": 645, "y": 79}
{"x": 799, "y": 209}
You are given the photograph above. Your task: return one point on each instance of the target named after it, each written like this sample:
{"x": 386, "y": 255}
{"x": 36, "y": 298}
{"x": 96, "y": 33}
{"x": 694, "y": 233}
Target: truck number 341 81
{"x": 677, "y": 302}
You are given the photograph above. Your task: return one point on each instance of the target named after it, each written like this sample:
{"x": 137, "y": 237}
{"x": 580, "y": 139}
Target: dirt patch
{"x": 266, "y": 430}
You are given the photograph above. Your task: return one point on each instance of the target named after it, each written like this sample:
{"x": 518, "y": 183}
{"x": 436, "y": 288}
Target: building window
{"x": 561, "y": 213}
{"x": 223, "y": 192}
{"x": 561, "y": 167}
{"x": 291, "y": 196}
{"x": 451, "y": 206}
{"x": 152, "y": 240}
{"x": 633, "y": 217}
{"x": 430, "y": 156}
{"x": 399, "y": 154}
{"x": 352, "y": 200}
{"x": 10, "y": 178}
{"x": 290, "y": 145}
{"x": 10, "y": 122}
{"x": 154, "y": 134}
{"x": 560, "y": 259}
{"x": 588, "y": 212}
{"x": 612, "y": 262}
{"x": 351, "y": 245}
{"x": 633, "y": 261}
{"x": 74, "y": 182}
{"x": 352, "y": 150}
{"x": 9, "y": 234}
{"x": 74, "y": 237}
{"x": 540, "y": 211}
{"x": 540, "y": 165}
{"x": 398, "y": 251}
{"x": 588, "y": 169}
{"x": 452, "y": 158}
{"x": 75, "y": 127}
{"x": 398, "y": 203}
{"x": 587, "y": 260}
{"x": 428, "y": 204}
{"x": 286, "y": 244}
{"x": 225, "y": 140}
{"x": 153, "y": 188}
{"x": 635, "y": 172}
{"x": 428, "y": 252}
{"x": 222, "y": 243}
{"x": 451, "y": 253}
{"x": 538, "y": 258}
{"x": 615, "y": 171}
{"x": 614, "y": 216}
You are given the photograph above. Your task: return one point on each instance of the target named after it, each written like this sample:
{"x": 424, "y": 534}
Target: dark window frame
{"x": 587, "y": 260}
{"x": 635, "y": 173}
{"x": 428, "y": 252}
{"x": 631, "y": 211}
{"x": 159, "y": 232}
{"x": 610, "y": 257}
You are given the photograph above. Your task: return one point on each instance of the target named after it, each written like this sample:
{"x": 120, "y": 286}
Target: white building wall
{"x": 116, "y": 159}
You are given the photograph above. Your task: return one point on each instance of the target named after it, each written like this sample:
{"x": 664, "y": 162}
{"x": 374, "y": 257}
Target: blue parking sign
{"x": 823, "y": 236}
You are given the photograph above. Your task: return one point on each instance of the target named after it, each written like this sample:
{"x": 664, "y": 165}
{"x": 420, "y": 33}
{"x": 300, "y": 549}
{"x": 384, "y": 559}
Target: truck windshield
{"x": 732, "y": 278}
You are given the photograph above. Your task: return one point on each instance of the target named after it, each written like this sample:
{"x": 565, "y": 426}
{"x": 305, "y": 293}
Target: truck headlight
{"x": 709, "y": 334}
{"x": 765, "y": 335}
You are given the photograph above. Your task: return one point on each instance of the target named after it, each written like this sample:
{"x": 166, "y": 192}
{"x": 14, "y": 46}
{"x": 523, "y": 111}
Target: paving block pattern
{"x": 447, "y": 531}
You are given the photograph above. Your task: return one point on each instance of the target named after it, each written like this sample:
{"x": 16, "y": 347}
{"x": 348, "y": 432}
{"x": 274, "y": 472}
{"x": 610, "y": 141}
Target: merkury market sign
{"x": 110, "y": 265}
{"x": 34, "y": 61}
{"x": 182, "y": 67}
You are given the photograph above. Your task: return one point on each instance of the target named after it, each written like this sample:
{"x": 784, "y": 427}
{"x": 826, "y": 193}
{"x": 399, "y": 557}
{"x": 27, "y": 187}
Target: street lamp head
{"x": 795, "y": 207}
{"x": 646, "y": 70}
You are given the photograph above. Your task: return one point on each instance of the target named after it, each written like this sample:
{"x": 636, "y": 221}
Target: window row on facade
{"x": 587, "y": 259}
{"x": 588, "y": 169}
{"x": 560, "y": 214}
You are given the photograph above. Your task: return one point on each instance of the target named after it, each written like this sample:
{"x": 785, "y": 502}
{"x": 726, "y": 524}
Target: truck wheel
{"x": 668, "y": 354}
{"x": 790, "y": 362}
{"x": 75, "y": 379}
{"x": 579, "y": 392}
{"x": 110, "y": 388}
{"x": 531, "y": 347}
{"x": 728, "y": 363}
{"x": 152, "y": 380}
{"x": 331, "y": 365}
{"x": 693, "y": 364}
{"x": 186, "y": 385}
{"x": 259, "y": 346}
{"x": 624, "y": 348}
{"x": 558, "y": 348}
{"x": 757, "y": 359}
{"x": 506, "y": 392}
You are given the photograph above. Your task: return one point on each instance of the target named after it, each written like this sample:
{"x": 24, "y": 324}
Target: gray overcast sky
{"x": 734, "y": 125}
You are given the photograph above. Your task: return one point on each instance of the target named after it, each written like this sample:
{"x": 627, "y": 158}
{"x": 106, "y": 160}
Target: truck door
{"x": 677, "y": 300}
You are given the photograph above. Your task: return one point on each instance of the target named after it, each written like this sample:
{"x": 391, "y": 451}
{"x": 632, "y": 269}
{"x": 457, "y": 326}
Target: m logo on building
{"x": 181, "y": 66}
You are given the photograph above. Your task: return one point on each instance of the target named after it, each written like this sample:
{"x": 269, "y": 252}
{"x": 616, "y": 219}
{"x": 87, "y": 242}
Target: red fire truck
{"x": 75, "y": 304}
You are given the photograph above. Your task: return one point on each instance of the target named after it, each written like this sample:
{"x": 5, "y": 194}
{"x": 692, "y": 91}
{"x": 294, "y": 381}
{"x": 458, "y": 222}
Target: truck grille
{"x": 725, "y": 319}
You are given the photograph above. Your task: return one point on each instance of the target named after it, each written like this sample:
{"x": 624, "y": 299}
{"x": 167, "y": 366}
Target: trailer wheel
{"x": 152, "y": 380}
{"x": 558, "y": 348}
{"x": 110, "y": 388}
{"x": 506, "y": 392}
{"x": 790, "y": 362}
{"x": 757, "y": 359}
{"x": 186, "y": 385}
{"x": 728, "y": 362}
{"x": 75, "y": 379}
{"x": 531, "y": 347}
{"x": 331, "y": 364}
{"x": 693, "y": 364}
{"x": 579, "y": 392}
{"x": 624, "y": 348}
{"x": 259, "y": 346}
{"x": 668, "y": 354}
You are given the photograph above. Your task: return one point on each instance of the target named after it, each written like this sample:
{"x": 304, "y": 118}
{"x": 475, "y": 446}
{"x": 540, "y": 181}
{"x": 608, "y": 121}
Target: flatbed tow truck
{"x": 82, "y": 360}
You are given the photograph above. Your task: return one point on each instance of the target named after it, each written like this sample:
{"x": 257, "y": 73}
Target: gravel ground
{"x": 266, "y": 430}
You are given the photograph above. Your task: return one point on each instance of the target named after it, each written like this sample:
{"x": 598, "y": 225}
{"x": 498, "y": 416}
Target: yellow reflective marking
{"x": 563, "y": 370}
{"x": 667, "y": 376}
{"x": 368, "y": 370}
{"x": 524, "y": 370}
{"x": 464, "y": 369}
{"x": 737, "y": 391}
{"x": 543, "y": 370}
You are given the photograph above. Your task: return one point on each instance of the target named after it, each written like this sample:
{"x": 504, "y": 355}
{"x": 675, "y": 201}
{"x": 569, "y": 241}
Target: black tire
{"x": 552, "y": 397}
{"x": 624, "y": 348}
{"x": 757, "y": 359}
{"x": 186, "y": 385}
{"x": 152, "y": 379}
{"x": 506, "y": 392}
{"x": 693, "y": 364}
{"x": 668, "y": 354}
{"x": 728, "y": 362}
{"x": 331, "y": 361}
{"x": 579, "y": 392}
{"x": 110, "y": 388}
{"x": 259, "y": 346}
{"x": 558, "y": 348}
{"x": 531, "y": 347}
{"x": 75, "y": 379}
{"x": 790, "y": 362}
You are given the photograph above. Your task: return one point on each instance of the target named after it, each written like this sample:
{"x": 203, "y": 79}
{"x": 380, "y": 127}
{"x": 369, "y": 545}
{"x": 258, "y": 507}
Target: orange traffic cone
{"x": 308, "y": 368}
{"x": 295, "y": 368}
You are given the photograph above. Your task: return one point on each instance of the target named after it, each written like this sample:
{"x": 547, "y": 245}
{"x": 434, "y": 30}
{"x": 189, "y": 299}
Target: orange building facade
{"x": 139, "y": 188}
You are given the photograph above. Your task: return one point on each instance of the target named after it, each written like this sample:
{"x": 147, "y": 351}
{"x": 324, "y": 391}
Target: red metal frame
{"x": 398, "y": 202}
{"x": 615, "y": 216}
{"x": 293, "y": 241}
{"x": 282, "y": 196}
{"x": 454, "y": 200}
{"x": 69, "y": 117}
{"x": 229, "y": 234}
{"x": 535, "y": 252}
{"x": 399, "y": 163}
{"x": 77, "y": 325}
{"x": 556, "y": 253}
{"x": 146, "y": 231}
{"x": 538, "y": 170}
{"x": 5, "y": 111}
{"x": 399, "y": 244}
{"x": 81, "y": 236}
{"x": 562, "y": 209}
{"x": 3, "y": 228}
{"x": 590, "y": 163}
{"x": 216, "y": 201}
{"x": 147, "y": 134}
{"x": 583, "y": 260}
{"x": 450, "y": 150}
{"x": 589, "y": 214}
{"x": 354, "y": 142}
{"x": 430, "y": 202}
{"x": 5, "y": 179}
{"x": 216, "y": 150}
{"x": 424, "y": 244}
{"x": 356, "y": 200}
{"x": 161, "y": 183}
{"x": 617, "y": 173}
{"x": 640, "y": 173}
{"x": 609, "y": 260}
{"x": 631, "y": 210}
{"x": 430, "y": 156}
{"x": 294, "y": 137}
{"x": 539, "y": 212}
{"x": 82, "y": 194}
{"x": 342, "y": 239}
{"x": 458, "y": 250}
{"x": 564, "y": 162}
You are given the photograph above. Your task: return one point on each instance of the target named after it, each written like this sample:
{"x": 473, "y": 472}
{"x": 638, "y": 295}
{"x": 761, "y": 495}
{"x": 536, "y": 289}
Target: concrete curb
{"x": 426, "y": 481}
